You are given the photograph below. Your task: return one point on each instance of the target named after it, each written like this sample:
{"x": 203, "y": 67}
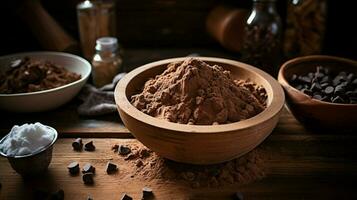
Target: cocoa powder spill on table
{"x": 148, "y": 165}
{"x": 193, "y": 92}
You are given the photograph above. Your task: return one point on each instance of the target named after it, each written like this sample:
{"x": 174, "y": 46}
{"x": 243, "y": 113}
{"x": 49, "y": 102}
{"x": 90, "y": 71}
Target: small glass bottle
{"x": 106, "y": 62}
{"x": 262, "y": 37}
{"x": 305, "y": 27}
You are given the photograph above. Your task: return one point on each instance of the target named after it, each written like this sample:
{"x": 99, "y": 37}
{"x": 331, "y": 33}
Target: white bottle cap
{"x": 106, "y": 44}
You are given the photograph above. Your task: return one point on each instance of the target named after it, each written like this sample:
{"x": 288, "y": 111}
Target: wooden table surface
{"x": 302, "y": 164}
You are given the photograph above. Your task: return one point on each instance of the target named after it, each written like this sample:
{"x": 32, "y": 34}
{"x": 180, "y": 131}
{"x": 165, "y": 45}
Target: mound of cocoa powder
{"x": 243, "y": 170}
{"x": 193, "y": 92}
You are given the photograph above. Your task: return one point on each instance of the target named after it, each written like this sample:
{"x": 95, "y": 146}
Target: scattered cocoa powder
{"x": 149, "y": 166}
{"x": 193, "y": 92}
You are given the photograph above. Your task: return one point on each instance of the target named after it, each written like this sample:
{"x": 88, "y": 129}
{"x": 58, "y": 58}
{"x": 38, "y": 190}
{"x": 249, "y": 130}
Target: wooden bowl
{"x": 311, "y": 112}
{"x": 199, "y": 144}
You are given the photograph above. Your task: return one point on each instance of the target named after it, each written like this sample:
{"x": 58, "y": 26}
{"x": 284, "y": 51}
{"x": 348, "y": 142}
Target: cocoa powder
{"x": 148, "y": 166}
{"x": 193, "y": 92}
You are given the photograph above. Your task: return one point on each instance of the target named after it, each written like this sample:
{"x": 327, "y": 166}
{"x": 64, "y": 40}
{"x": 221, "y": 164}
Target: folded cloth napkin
{"x": 98, "y": 101}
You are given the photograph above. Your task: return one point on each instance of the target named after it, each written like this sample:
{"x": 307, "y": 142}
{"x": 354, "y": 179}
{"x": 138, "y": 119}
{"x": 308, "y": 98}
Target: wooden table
{"x": 302, "y": 164}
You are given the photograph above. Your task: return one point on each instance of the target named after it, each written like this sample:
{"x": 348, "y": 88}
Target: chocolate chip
{"x": 16, "y": 63}
{"x": 89, "y": 197}
{"x": 354, "y": 82}
{"x": 318, "y": 97}
{"x": 325, "y": 79}
{"x": 329, "y": 90}
{"x": 77, "y": 144}
{"x": 139, "y": 163}
{"x": 89, "y": 146}
{"x": 337, "y": 99}
{"x": 59, "y": 195}
{"x": 293, "y": 78}
{"x": 324, "y": 85}
{"x": 115, "y": 147}
{"x": 305, "y": 79}
{"x": 124, "y": 150}
{"x": 88, "y": 168}
{"x": 144, "y": 153}
{"x": 306, "y": 91}
{"x": 238, "y": 196}
{"x": 350, "y": 77}
{"x": 147, "y": 193}
{"x": 126, "y": 197}
{"x": 88, "y": 178}
{"x": 73, "y": 168}
{"x": 111, "y": 168}
{"x": 315, "y": 87}
{"x": 339, "y": 89}
{"x": 353, "y": 100}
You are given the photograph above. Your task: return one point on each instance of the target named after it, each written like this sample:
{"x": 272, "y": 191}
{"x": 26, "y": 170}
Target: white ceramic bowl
{"x": 46, "y": 99}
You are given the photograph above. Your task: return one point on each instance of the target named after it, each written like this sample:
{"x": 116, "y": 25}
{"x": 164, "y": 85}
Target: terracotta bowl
{"x": 311, "y": 112}
{"x": 199, "y": 144}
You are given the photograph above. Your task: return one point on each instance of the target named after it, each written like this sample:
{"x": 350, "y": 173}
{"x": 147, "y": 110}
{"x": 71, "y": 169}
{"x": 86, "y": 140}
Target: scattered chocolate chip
{"x": 124, "y": 150}
{"x": 147, "y": 193}
{"x": 89, "y": 146}
{"x": 131, "y": 156}
{"x": 111, "y": 168}
{"x": 139, "y": 163}
{"x": 88, "y": 178}
{"x": 88, "y": 168}
{"x": 126, "y": 197}
{"x": 238, "y": 196}
{"x": 77, "y": 144}
{"x": 73, "y": 168}
{"x": 115, "y": 147}
{"x": 89, "y": 197}
{"x": 59, "y": 195}
{"x": 144, "y": 153}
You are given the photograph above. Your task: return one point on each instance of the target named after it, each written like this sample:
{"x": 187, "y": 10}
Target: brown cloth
{"x": 98, "y": 101}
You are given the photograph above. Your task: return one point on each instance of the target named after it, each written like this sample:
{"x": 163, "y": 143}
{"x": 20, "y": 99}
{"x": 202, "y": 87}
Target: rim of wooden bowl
{"x": 291, "y": 63}
{"x": 273, "y": 109}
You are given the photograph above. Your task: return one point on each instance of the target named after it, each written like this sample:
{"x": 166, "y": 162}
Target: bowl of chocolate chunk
{"x": 200, "y": 110}
{"x": 40, "y": 81}
{"x": 321, "y": 91}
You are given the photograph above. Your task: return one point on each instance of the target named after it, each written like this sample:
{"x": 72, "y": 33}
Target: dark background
{"x": 167, "y": 24}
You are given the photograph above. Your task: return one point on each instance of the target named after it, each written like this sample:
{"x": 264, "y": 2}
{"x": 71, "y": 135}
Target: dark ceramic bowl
{"x": 311, "y": 112}
{"x": 32, "y": 164}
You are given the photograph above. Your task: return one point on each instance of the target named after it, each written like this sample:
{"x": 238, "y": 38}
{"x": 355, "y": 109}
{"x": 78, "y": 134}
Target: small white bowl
{"x": 47, "y": 99}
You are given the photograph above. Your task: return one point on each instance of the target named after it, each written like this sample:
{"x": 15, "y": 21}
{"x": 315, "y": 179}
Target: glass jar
{"x": 95, "y": 19}
{"x": 305, "y": 27}
{"x": 106, "y": 62}
{"x": 262, "y": 37}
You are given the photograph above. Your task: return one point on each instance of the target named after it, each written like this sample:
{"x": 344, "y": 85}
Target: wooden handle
{"x": 45, "y": 28}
